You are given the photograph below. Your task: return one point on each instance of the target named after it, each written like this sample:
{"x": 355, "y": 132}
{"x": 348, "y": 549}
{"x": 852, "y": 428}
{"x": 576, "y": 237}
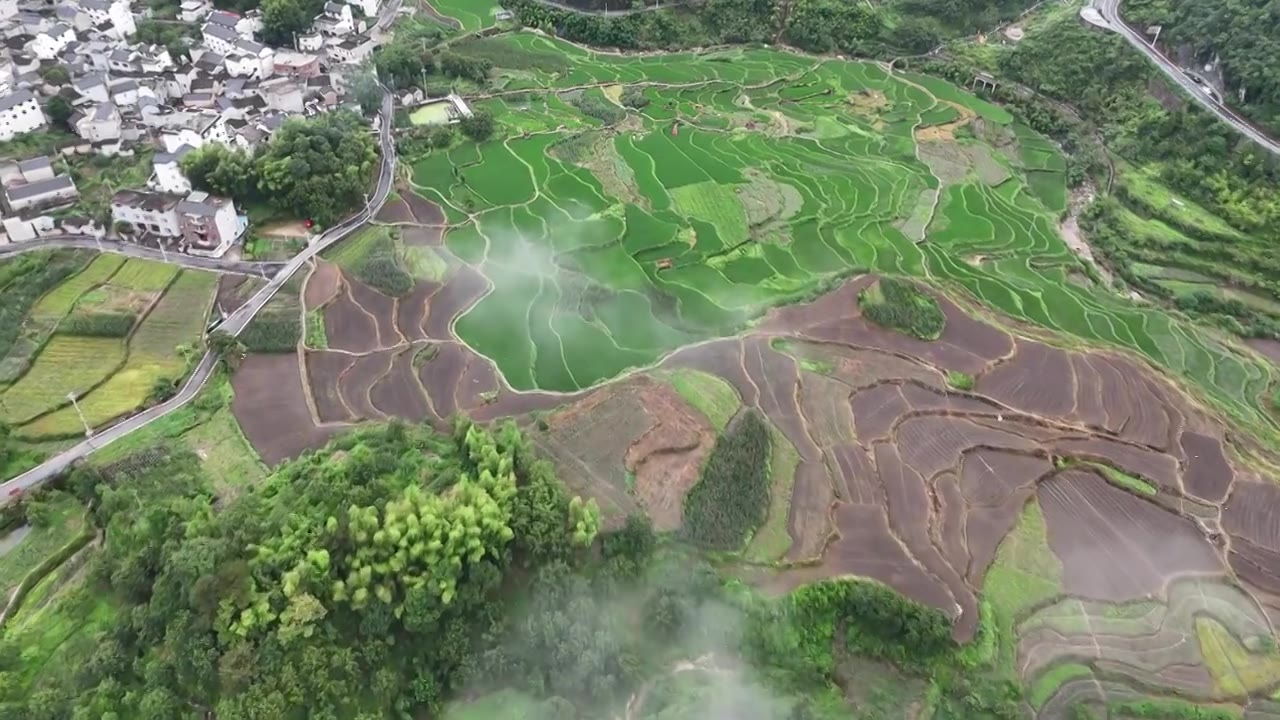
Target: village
{"x": 81, "y": 95}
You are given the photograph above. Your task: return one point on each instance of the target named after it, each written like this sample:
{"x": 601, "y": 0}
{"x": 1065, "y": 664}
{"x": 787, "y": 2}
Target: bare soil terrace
{"x": 898, "y": 477}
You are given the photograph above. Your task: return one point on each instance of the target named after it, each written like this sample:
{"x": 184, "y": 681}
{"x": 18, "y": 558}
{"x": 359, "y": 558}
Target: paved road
{"x": 239, "y": 267}
{"x": 233, "y": 324}
{"x": 1110, "y": 11}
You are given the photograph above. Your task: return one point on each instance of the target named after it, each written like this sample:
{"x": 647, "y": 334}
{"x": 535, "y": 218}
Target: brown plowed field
{"x": 398, "y": 393}
{"x": 234, "y": 291}
{"x": 722, "y": 358}
{"x": 641, "y": 427}
{"x": 424, "y": 211}
{"x": 1115, "y": 546}
{"x": 348, "y": 327}
{"x": 667, "y": 459}
{"x": 420, "y": 236}
{"x": 411, "y": 313}
{"x": 1148, "y": 464}
{"x": 1022, "y": 383}
{"x": 325, "y": 369}
{"x": 902, "y": 478}
{"x": 360, "y": 379}
{"x": 381, "y": 307}
{"x": 395, "y": 211}
{"x": 459, "y": 293}
{"x": 808, "y": 518}
{"x": 441, "y": 375}
{"x": 479, "y": 381}
{"x": 1208, "y": 475}
{"x": 271, "y": 407}
{"x": 323, "y": 284}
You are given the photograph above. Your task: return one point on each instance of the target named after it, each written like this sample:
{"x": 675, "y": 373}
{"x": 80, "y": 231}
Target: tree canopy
{"x": 317, "y": 168}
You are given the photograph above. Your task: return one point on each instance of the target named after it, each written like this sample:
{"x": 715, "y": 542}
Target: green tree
{"x": 320, "y": 167}
{"x": 227, "y": 347}
{"x": 222, "y": 171}
{"x": 366, "y": 91}
{"x": 282, "y": 18}
{"x": 479, "y": 126}
{"x": 55, "y": 75}
{"x": 59, "y": 111}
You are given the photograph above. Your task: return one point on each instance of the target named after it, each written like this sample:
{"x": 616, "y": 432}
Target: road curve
{"x": 1110, "y": 11}
{"x": 233, "y": 324}
{"x": 89, "y": 242}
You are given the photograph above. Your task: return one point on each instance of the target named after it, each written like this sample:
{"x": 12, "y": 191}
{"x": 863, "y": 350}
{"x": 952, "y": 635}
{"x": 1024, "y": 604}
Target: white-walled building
{"x": 369, "y": 7}
{"x": 193, "y": 11}
{"x": 336, "y": 19}
{"x": 146, "y": 212}
{"x": 93, "y": 87}
{"x": 57, "y": 190}
{"x": 19, "y": 113}
{"x": 99, "y": 123}
{"x": 220, "y": 38}
{"x": 168, "y": 176}
{"x": 310, "y": 42}
{"x": 354, "y": 50}
{"x": 50, "y": 43}
{"x": 208, "y": 223}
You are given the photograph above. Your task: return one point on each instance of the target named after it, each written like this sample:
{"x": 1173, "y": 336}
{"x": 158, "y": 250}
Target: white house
{"x": 335, "y": 19}
{"x": 310, "y": 42}
{"x": 92, "y": 87}
{"x": 283, "y": 94}
{"x": 21, "y": 229}
{"x": 219, "y": 38}
{"x": 99, "y": 123}
{"x": 146, "y": 212}
{"x": 33, "y": 170}
{"x": 116, "y": 12}
{"x": 368, "y": 7}
{"x": 50, "y": 43}
{"x": 125, "y": 92}
{"x": 209, "y": 224}
{"x": 175, "y": 140}
{"x": 168, "y": 176}
{"x": 353, "y": 50}
{"x": 193, "y": 11}
{"x": 57, "y": 190}
{"x": 7, "y": 74}
{"x": 250, "y": 59}
{"x": 19, "y": 113}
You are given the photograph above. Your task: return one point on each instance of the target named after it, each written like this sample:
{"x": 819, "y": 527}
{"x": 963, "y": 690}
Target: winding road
{"x": 1110, "y": 15}
{"x": 234, "y": 324}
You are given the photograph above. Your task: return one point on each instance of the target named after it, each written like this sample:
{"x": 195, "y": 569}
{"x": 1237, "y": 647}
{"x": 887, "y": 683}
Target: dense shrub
{"x": 634, "y": 98}
{"x": 272, "y": 332}
{"x": 23, "y": 280}
{"x": 380, "y": 268}
{"x": 383, "y": 273}
{"x": 960, "y": 380}
{"x": 98, "y": 324}
{"x": 732, "y": 497}
{"x": 900, "y": 305}
{"x": 599, "y": 108}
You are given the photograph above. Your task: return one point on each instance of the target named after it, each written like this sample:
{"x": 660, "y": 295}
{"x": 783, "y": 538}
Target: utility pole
{"x": 88, "y": 431}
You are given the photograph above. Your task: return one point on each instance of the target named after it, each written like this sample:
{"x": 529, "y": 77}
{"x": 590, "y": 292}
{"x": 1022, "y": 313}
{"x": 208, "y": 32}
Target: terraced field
{"x": 110, "y": 373}
{"x": 1078, "y": 481}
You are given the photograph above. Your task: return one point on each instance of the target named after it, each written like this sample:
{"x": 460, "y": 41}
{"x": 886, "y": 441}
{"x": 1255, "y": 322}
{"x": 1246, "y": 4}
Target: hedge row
{"x": 106, "y": 324}
{"x": 46, "y": 566}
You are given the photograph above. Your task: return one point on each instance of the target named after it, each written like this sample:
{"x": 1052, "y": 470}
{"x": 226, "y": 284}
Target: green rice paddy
{"x": 754, "y": 178}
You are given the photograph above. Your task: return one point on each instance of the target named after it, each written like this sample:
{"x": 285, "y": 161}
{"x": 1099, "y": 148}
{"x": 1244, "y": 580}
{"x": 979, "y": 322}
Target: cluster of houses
{"x": 227, "y": 88}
